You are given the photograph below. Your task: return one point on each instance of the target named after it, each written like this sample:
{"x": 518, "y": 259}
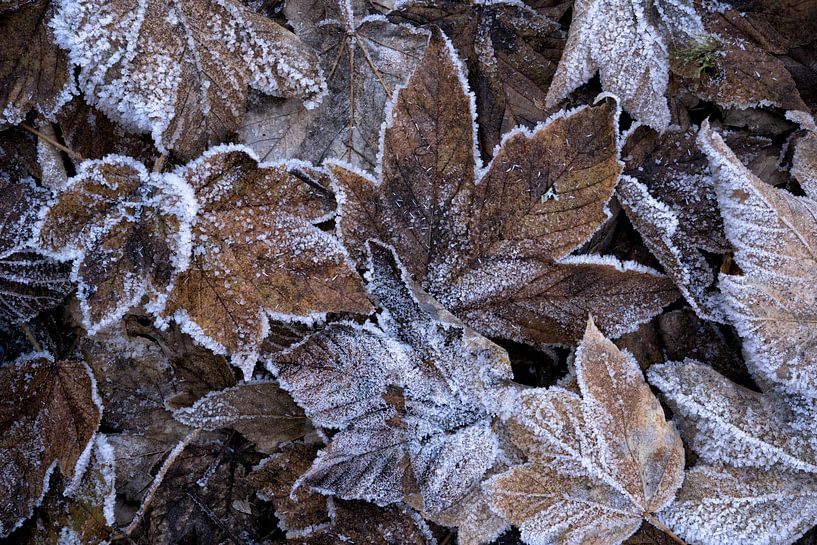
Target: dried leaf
{"x": 256, "y": 254}
{"x": 364, "y": 57}
{"x": 127, "y": 231}
{"x": 511, "y": 52}
{"x": 181, "y": 70}
{"x": 34, "y": 73}
{"x": 48, "y": 416}
{"x": 494, "y": 251}
{"x": 599, "y": 463}
{"x": 804, "y": 164}
{"x": 413, "y": 398}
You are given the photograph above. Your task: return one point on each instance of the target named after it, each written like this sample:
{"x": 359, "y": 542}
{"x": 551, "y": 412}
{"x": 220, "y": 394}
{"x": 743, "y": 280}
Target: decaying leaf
{"x": 181, "y": 70}
{"x": 364, "y": 58}
{"x": 511, "y": 52}
{"x": 599, "y": 463}
{"x": 413, "y": 398}
{"x": 34, "y": 73}
{"x": 774, "y": 303}
{"x": 48, "y": 416}
{"x": 494, "y": 249}
{"x": 260, "y": 411}
{"x": 256, "y": 254}
{"x": 626, "y": 42}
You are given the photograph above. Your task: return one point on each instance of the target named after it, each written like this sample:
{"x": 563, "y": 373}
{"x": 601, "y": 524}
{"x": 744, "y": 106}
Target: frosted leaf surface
{"x": 804, "y": 164}
{"x": 48, "y": 418}
{"x": 773, "y": 304}
{"x": 34, "y": 73}
{"x": 255, "y": 252}
{"x": 511, "y": 52}
{"x": 597, "y": 462}
{"x": 364, "y": 58}
{"x": 626, "y": 42}
{"x": 725, "y": 422}
{"x": 181, "y": 70}
{"x": 260, "y": 411}
{"x": 720, "y": 504}
{"x": 492, "y": 246}
{"x": 127, "y": 232}
{"x": 414, "y": 398}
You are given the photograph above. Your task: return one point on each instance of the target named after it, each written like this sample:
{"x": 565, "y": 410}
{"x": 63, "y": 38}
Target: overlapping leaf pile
{"x": 342, "y": 271}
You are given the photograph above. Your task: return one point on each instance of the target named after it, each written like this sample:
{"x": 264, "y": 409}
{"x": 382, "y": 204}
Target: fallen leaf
{"x": 599, "y": 463}
{"x": 256, "y": 254}
{"x": 365, "y": 58}
{"x": 494, "y": 249}
{"x": 48, "y": 416}
{"x": 181, "y": 70}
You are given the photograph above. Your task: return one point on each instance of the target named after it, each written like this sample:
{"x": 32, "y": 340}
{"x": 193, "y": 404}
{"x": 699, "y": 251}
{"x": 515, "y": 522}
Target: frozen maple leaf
{"x": 259, "y": 410}
{"x": 256, "y": 253}
{"x": 599, "y": 463}
{"x": 127, "y": 232}
{"x": 626, "y": 42}
{"x": 493, "y": 246}
{"x": 772, "y": 304}
{"x": 364, "y": 58}
{"x": 511, "y": 52}
{"x": 413, "y": 398}
{"x": 310, "y": 518}
{"x": 181, "y": 70}
{"x": 34, "y": 73}
{"x": 48, "y": 416}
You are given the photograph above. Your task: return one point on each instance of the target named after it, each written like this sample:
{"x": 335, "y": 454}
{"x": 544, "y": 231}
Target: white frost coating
{"x": 106, "y": 458}
{"x": 610, "y": 261}
{"x": 804, "y": 119}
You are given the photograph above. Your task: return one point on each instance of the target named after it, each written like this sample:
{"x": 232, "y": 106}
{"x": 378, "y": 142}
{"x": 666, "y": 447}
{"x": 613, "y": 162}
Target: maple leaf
{"x": 494, "y": 249}
{"x": 599, "y": 463}
{"x": 29, "y": 282}
{"x": 511, "y": 52}
{"x": 34, "y": 73}
{"x": 256, "y": 253}
{"x": 626, "y": 41}
{"x": 364, "y": 57}
{"x": 48, "y": 415}
{"x": 413, "y": 398}
{"x": 181, "y": 70}
{"x": 127, "y": 232}
{"x": 772, "y": 305}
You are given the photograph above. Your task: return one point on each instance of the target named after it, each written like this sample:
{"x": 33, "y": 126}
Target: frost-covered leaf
{"x": 256, "y": 253}
{"x": 494, "y": 250}
{"x": 598, "y": 463}
{"x": 804, "y": 164}
{"x": 181, "y": 70}
{"x": 773, "y": 304}
{"x": 511, "y": 52}
{"x": 127, "y": 232}
{"x": 775, "y": 25}
{"x": 413, "y": 398}
{"x": 260, "y": 411}
{"x": 626, "y": 42}
{"x": 364, "y": 58}
{"x": 49, "y": 413}
{"x": 19, "y": 208}
{"x": 719, "y": 504}
{"x": 34, "y": 73}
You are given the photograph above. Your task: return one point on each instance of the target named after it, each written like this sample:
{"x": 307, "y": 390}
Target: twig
{"x": 310, "y": 182}
{"x": 45, "y": 138}
{"x": 159, "y": 164}
{"x": 31, "y": 338}
{"x": 655, "y": 522}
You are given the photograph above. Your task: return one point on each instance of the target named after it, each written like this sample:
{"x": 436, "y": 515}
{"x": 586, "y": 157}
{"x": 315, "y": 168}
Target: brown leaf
{"x": 494, "y": 250}
{"x": 126, "y": 230}
{"x": 598, "y": 463}
{"x": 511, "y": 52}
{"x": 775, "y": 25}
{"x": 256, "y": 254}
{"x": 48, "y": 415}
{"x": 364, "y": 57}
{"x": 34, "y": 73}
{"x": 181, "y": 70}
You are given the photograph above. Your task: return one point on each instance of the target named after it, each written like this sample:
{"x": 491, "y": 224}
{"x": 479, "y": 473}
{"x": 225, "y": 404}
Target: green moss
{"x": 702, "y": 57}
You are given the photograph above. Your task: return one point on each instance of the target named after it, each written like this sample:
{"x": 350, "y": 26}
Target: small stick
{"x": 655, "y": 522}
{"x": 31, "y": 338}
{"x": 45, "y": 138}
{"x": 159, "y": 164}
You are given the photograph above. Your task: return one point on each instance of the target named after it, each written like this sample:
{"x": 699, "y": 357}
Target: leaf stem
{"x": 159, "y": 164}
{"x": 31, "y": 338}
{"x": 655, "y": 522}
{"x": 45, "y": 138}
